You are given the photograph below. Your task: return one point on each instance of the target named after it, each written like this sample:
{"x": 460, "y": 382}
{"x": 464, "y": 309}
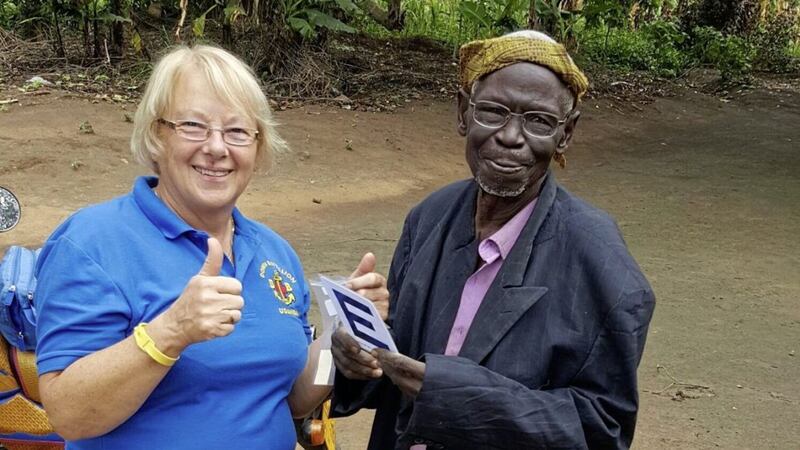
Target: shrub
{"x": 774, "y": 42}
{"x": 8, "y": 13}
{"x": 738, "y": 17}
{"x": 794, "y": 50}
{"x": 732, "y": 55}
{"x": 654, "y": 47}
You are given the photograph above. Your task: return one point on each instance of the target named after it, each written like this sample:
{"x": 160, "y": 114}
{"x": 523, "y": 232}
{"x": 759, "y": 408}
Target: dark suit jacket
{"x": 550, "y": 359}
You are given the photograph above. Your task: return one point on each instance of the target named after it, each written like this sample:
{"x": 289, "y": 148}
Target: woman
{"x": 167, "y": 319}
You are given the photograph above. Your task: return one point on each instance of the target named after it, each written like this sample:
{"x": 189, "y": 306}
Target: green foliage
{"x": 794, "y": 50}
{"x": 606, "y": 13}
{"x": 233, "y": 12}
{"x": 23, "y": 15}
{"x": 556, "y": 22}
{"x": 656, "y": 47}
{"x": 445, "y": 21}
{"x": 31, "y": 86}
{"x": 455, "y": 22}
{"x": 9, "y": 12}
{"x": 308, "y": 17}
{"x": 656, "y": 8}
{"x": 732, "y": 35}
{"x": 228, "y": 12}
{"x": 739, "y": 17}
{"x": 774, "y": 43}
{"x": 732, "y": 55}
{"x": 490, "y": 18}
{"x": 199, "y": 23}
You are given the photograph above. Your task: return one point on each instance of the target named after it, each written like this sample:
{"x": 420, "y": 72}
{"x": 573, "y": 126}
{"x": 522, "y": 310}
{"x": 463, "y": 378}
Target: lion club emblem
{"x": 282, "y": 290}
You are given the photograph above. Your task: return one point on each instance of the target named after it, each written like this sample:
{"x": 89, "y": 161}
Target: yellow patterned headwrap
{"x": 479, "y": 58}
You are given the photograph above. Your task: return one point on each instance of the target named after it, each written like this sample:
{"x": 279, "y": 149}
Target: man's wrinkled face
{"x": 507, "y": 161}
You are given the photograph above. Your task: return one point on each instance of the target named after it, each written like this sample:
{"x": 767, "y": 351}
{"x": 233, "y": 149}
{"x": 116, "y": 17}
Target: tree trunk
{"x": 96, "y": 33}
{"x": 396, "y": 15}
{"x": 574, "y": 7}
{"x": 117, "y": 31}
{"x": 59, "y": 42}
{"x": 87, "y": 48}
{"x": 227, "y": 34}
{"x": 533, "y": 21}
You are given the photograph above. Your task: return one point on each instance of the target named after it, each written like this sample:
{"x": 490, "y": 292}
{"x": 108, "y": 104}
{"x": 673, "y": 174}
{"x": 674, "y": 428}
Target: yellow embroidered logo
{"x": 262, "y": 270}
{"x": 282, "y": 291}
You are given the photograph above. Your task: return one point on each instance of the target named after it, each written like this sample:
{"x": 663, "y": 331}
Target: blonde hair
{"x": 228, "y": 77}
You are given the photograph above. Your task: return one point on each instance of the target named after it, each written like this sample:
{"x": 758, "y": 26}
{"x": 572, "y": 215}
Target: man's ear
{"x": 569, "y": 129}
{"x": 463, "y": 105}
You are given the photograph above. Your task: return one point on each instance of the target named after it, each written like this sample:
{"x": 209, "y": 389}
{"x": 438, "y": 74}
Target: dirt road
{"x": 707, "y": 194}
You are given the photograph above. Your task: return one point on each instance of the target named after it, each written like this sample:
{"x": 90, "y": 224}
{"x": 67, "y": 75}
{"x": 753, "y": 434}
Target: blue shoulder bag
{"x": 23, "y": 422}
{"x": 17, "y": 313}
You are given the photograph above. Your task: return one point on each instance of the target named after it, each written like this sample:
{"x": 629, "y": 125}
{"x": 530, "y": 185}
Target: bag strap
{"x": 24, "y": 366}
{"x": 8, "y": 268}
{"x": 25, "y": 276}
{"x": 26, "y": 283}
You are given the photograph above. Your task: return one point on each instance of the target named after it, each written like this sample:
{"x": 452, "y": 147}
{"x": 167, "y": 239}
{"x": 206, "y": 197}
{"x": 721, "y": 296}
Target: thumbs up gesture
{"x": 372, "y": 285}
{"x": 210, "y": 305}
{"x": 213, "y": 263}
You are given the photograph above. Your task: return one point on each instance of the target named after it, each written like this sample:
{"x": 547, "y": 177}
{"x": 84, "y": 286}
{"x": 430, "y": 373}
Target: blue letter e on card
{"x": 361, "y": 327}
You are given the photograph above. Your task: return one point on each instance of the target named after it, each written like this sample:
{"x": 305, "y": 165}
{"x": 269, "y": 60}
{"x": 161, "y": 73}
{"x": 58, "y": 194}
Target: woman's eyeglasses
{"x": 192, "y": 130}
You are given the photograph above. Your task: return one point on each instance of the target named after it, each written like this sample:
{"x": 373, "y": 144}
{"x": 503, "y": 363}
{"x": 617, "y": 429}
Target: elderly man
{"x": 520, "y": 315}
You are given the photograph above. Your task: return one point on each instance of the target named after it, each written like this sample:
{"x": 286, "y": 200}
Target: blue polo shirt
{"x": 114, "y": 265}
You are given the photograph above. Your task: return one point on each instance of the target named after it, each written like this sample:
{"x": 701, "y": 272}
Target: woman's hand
{"x": 350, "y": 359}
{"x": 209, "y": 307}
{"x": 370, "y": 284}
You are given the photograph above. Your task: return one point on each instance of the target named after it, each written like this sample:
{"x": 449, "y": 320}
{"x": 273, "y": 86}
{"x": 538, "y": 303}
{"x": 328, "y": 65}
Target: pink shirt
{"x": 493, "y": 251}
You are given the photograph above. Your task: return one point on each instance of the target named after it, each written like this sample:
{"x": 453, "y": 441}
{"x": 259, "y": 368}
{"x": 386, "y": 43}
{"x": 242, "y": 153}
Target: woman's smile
{"x": 214, "y": 173}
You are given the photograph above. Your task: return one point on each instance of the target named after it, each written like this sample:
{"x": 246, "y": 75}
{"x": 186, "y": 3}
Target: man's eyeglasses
{"x": 535, "y": 123}
{"x": 192, "y": 130}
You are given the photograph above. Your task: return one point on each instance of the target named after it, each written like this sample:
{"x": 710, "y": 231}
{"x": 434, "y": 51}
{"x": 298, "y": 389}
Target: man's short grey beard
{"x": 505, "y": 193}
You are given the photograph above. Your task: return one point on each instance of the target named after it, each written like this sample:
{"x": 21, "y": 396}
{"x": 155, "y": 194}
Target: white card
{"x": 326, "y": 371}
{"x": 358, "y": 316}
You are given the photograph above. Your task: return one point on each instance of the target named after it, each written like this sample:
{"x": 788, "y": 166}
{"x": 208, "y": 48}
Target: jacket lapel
{"x": 436, "y": 269}
{"x": 507, "y": 299}
{"x": 504, "y": 312}
{"x": 445, "y": 297}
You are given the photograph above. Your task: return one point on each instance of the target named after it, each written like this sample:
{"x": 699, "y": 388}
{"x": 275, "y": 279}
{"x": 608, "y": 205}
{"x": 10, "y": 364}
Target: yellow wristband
{"x": 145, "y": 342}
